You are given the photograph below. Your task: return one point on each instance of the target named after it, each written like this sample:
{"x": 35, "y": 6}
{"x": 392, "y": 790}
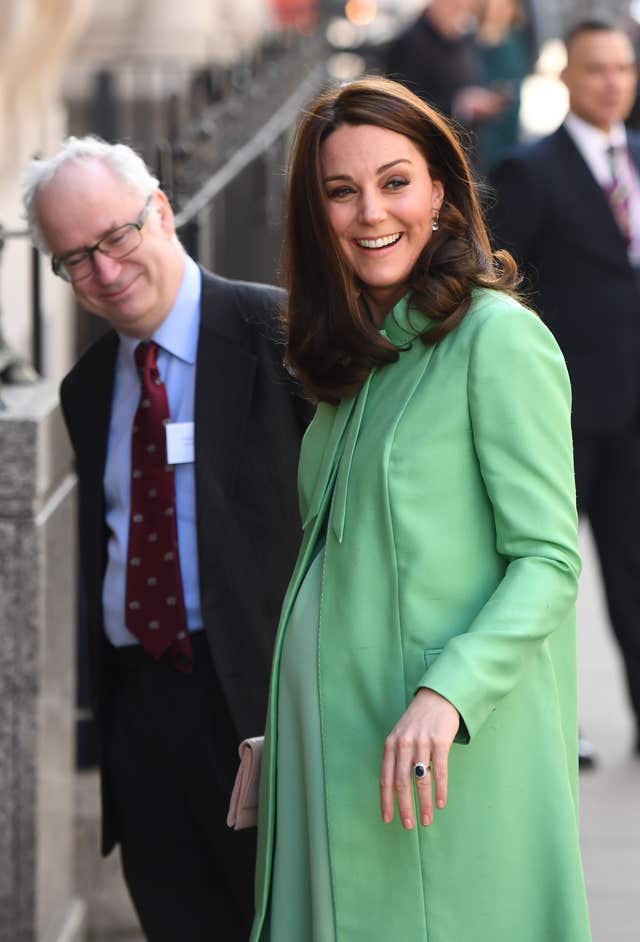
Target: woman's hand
{"x": 423, "y": 733}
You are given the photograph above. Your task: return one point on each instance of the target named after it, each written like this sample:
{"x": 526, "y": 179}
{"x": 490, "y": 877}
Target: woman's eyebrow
{"x": 392, "y": 163}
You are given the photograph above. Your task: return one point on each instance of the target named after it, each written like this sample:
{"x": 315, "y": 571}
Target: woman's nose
{"x": 371, "y": 209}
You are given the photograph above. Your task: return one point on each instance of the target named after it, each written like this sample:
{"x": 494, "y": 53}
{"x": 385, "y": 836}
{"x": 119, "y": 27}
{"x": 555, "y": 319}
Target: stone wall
{"x": 37, "y": 665}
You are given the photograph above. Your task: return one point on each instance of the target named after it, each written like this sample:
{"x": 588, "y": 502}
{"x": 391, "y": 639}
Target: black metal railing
{"x": 233, "y": 222}
{"x": 13, "y": 368}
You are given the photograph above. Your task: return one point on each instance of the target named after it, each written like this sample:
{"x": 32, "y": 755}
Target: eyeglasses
{"x": 116, "y": 244}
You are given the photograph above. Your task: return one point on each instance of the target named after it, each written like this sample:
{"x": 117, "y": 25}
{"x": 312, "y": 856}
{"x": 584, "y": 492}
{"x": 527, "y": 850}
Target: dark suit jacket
{"x": 249, "y": 420}
{"x": 555, "y": 219}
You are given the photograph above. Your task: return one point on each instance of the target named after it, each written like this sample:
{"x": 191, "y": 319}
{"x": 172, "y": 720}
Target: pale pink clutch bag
{"x": 243, "y": 806}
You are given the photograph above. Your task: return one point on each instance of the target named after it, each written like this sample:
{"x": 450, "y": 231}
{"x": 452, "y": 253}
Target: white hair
{"x": 121, "y": 160}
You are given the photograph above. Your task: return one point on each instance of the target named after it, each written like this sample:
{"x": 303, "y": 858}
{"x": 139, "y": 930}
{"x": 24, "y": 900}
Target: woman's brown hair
{"x": 332, "y": 342}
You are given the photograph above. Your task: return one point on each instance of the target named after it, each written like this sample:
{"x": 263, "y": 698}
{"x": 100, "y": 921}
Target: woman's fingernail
{"x": 440, "y": 803}
{"x": 408, "y": 823}
{"x": 426, "y": 820}
{"x": 386, "y": 817}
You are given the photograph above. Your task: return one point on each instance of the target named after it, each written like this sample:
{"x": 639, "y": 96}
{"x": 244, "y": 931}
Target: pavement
{"x": 98, "y": 881}
{"x": 609, "y": 795}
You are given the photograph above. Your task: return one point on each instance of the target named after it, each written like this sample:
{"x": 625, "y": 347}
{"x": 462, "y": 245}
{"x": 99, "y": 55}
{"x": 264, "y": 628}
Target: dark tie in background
{"x": 618, "y": 193}
{"x": 155, "y": 610}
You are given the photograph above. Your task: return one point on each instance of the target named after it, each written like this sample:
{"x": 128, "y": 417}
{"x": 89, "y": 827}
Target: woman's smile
{"x": 380, "y": 203}
{"x": 381, "y": 242}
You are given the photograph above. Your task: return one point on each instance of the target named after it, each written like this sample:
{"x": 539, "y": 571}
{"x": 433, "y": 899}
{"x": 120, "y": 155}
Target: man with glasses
{"x": 77, "y": 265}
{"x": 186, "y": 430}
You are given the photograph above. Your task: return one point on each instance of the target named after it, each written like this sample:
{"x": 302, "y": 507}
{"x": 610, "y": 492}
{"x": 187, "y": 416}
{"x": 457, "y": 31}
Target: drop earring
{"x": 435, "y": 225}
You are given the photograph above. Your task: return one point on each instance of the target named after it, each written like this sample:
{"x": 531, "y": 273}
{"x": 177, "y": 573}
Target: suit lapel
{"x": 95, "y": 421}
{"x": 633, "y": 143}
{"x": 224, "y": 386}
{"x": 89, "y": 417}
{"x": 596, "y": 221}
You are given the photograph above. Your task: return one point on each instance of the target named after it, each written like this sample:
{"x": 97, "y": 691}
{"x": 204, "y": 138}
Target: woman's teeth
{"x": 379, "y": 243}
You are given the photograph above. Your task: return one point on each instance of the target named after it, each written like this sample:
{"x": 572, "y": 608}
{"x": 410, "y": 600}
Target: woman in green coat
{"x": 419, "y": 774}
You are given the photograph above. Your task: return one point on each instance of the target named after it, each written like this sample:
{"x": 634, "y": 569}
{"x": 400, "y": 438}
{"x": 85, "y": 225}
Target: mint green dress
{"x": 301, "y": 903}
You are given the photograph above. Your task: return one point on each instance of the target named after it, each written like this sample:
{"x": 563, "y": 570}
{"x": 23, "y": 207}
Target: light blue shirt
{"x": 177, "y": 338}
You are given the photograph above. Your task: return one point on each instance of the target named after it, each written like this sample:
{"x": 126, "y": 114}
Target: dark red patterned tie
{"x": 156, "y": 613}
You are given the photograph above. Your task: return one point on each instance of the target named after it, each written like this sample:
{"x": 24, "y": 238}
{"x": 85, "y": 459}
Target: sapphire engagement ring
{"x": 420, "y": 770}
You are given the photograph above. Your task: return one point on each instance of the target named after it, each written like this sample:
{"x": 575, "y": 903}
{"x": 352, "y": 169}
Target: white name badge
{"x": 180, "y": 442}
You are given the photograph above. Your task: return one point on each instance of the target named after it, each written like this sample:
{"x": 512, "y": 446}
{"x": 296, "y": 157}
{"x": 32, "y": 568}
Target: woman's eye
{"x": 396, "y": 183}
{"x": 339, "y": 191}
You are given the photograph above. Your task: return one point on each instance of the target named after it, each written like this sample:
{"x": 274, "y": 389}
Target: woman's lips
{"x": 380, "y": 245}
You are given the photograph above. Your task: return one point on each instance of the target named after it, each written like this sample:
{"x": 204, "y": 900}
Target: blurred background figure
{"x": 568, "y": 208}
{"x": 438, "y": 59}
{"x": 297, "y": 14}
{"x": 505, "y": 43}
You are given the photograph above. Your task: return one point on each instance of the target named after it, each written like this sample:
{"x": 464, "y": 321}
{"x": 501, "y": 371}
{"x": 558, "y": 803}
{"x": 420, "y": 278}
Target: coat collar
{"x": 404, "y": 323}
{"x": 339, "y": 505}
{"x": 337, "y": 458}
{"x": 336, "y": 418}
{"x": 402, "y": 326}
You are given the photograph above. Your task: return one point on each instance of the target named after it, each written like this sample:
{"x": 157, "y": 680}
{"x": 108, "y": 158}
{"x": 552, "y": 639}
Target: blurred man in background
{"x": 436, "y": 57}
{"x": 506, "y": 45}
{"x": 568, "y": 207}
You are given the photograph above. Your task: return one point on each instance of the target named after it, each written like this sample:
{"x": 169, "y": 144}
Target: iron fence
{"x": 13, "y": 368}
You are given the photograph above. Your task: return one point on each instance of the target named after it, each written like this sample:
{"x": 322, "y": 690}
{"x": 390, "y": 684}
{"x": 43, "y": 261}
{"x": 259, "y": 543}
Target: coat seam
{"x": 322, "y": 730}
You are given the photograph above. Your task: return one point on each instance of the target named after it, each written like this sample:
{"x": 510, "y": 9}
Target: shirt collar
{"x": 590, "y": 137}
{"x": 178, "y": 333}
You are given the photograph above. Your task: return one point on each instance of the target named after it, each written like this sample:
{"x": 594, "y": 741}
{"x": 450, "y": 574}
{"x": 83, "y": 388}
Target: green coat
{"x": 451, "y": 562}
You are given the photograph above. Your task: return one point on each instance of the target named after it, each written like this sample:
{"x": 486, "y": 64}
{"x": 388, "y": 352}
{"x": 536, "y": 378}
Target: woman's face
{"x": 380, "y": 202}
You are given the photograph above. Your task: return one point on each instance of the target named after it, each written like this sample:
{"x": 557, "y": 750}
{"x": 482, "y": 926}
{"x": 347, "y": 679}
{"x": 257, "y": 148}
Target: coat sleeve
{"x": 519, "y": 402}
